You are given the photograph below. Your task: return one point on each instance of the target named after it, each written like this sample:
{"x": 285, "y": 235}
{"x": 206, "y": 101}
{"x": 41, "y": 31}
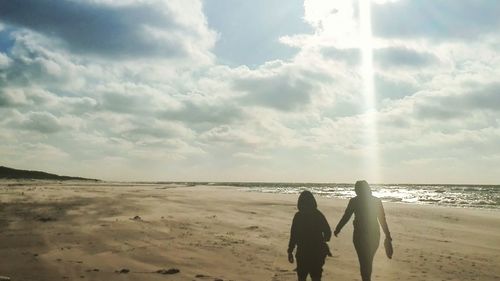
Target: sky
{"x": 262, "y": 90}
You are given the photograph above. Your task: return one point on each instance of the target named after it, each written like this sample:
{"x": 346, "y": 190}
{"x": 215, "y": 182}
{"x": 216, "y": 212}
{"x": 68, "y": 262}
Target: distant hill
{"x": 9, "y": 173}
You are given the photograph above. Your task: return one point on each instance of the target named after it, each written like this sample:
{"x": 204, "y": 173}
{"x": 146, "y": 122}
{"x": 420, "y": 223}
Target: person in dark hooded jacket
{"x": 310, "y": 231}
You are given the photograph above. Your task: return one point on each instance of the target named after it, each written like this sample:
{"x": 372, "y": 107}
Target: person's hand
{"x": 290, "y": 257}
{"x": 329, "y": 253}
{"x": 336, "y": 232}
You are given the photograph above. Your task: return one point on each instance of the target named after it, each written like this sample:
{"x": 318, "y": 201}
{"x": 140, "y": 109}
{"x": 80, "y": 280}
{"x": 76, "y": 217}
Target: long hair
{"x": 306, "y": 202}
{"x": 362, "y": 188}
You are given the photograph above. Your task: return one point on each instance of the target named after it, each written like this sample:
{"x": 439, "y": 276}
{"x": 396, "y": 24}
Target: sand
{"x": 91, "y": 231}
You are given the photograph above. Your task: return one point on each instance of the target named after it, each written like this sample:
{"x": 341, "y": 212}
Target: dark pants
{"x": 310, "y": 265}
{"x": 366, "y": 244}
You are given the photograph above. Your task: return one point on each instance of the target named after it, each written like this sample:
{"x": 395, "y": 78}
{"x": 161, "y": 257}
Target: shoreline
{"x": 254, "y": 189}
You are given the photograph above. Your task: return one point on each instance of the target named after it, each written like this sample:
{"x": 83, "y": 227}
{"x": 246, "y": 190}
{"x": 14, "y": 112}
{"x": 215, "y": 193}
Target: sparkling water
{"x": 474, "y": 196}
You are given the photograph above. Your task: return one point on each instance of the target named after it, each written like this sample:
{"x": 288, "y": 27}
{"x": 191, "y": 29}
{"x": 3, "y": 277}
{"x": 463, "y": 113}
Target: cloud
{"x": 398, "y": 57}
{"x": 230, "y": 136}
{"x": 11, "y": 98}
{"x": 249, "y": 31}
{"x": 6, "y": 41}
{"x": 4, "y": 61}
{"x": 199, "y": 112}
{"x": 43, "y": 122}
{"x": 483, "y": 99}
{"x": 403, "y": 57}
{"x": 387, "y": 87}
{"x": 436, "y": 20}
{"x": 252, "y": 156}
{"x": 163, "y": 107}
{"x": 132, "y": 98}
{"x": 36, "y": 151}
{"x": 32, "y": 63}
{"x": 276, "y": 86}
{"x": 351, "y": 56}
{"x": 278, "y": 92}
{"x": 150, "y": 131}
{"x": 437, "y": 111}
{"x": 133, "y": 30}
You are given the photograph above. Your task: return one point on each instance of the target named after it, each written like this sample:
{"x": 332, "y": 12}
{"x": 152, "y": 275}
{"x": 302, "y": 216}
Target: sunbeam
{"x": 371, "y": 135}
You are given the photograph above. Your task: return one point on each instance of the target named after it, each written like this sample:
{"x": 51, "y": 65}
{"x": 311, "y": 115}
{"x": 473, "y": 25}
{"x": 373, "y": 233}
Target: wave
{"x": 473, "y": 196}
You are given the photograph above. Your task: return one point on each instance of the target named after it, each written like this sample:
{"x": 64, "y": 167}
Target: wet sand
{"x": 92, "y": 231}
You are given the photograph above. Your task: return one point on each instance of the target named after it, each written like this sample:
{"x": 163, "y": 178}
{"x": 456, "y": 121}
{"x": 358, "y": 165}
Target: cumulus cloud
{"x": 458, "y": 105}
{"x": 43, "y": 122}
{"x": 132, "y": 98}
{"x": 403, "y": 57}
{"x": 131, "y": 30}
{"x": 279, "y": 86}
{"x": 132, "y": 87}
{"x": 233, "y": 136}
{"x": 388, "y": 87}
{"x": 199, "y": 112}
{"x": 437, "y": 20}
{"x": 32, "y": 64}
{"x": 262, "y": 22}
{"x": 351, "y": 56}
{"x": 484, "y": 98}
{"x": 4, "y": 60}
{"x": 151, "y": 131}
{"x": 252, "y": 156}
{"x": 12, "y": 98}
{"x": 279, "y": 92}
{"x": 384, "y": 57}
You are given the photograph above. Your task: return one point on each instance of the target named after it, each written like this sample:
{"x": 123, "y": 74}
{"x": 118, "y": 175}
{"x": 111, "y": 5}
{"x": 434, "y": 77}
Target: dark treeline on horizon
{"x": 11, "y": 173}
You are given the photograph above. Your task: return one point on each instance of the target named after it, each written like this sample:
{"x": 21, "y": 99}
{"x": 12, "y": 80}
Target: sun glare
{"x": 366, "y": 47}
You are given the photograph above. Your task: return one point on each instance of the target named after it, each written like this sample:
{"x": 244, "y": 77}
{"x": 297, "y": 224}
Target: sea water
{"x": 473, "y": 196}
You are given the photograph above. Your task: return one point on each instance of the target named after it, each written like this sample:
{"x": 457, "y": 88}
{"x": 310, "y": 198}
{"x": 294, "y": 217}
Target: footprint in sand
{"x": 168, "y": 271}
{"x": 283, "y": 274}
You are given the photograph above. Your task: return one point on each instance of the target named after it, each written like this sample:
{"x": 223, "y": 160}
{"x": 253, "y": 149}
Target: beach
{"x": 124, "y": 231}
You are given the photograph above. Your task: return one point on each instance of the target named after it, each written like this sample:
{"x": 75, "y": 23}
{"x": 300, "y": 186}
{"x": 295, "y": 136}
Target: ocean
{"x": 470, "y": 196}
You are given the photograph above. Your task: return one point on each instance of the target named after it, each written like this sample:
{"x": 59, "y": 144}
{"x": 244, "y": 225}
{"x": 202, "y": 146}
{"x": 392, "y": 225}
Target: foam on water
{"x": 474, "y": 196}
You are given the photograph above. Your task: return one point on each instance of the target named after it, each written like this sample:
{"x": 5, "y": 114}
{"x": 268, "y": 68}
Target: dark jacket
{"x": 368, "y": 213}
{"x": 310, "y": 232}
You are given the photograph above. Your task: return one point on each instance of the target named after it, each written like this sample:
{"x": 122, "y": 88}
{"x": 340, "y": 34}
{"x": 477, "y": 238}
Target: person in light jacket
{"x": 368, "y": 214}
